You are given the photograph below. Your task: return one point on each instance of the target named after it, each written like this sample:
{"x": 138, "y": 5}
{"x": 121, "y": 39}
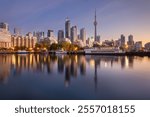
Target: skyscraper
{"x": 83, "y": 35}
{"x": 50, "y": 33}
{"x": 130, "y": 40}
{"x": 74, "y": 35}
{"x": 60, "y": 35}
{"x": 67, "y": 28}
{"x": 95, "y": 26}
{"x": 122, "y": 40}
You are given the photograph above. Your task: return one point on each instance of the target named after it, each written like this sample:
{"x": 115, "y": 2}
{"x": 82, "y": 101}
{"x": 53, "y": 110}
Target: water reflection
{"x": 89, "y": 77}
{"x": 70, "y": 65}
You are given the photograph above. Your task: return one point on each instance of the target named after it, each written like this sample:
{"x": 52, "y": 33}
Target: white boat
{"x": 61, "y": 52}
{"x": 104, "y": 50}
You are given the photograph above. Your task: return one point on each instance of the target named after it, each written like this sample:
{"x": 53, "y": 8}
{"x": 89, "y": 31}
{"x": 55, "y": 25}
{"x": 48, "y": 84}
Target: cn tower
{"x": 95, "y": 25}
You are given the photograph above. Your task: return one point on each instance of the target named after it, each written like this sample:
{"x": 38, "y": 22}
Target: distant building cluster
{"x": 131, "y": 45}
{"x": 8, "y": 40}
{"x": 70, "y": 35}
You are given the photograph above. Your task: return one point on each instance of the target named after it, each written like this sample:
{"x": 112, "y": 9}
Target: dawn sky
{"x": 115, "y": 17}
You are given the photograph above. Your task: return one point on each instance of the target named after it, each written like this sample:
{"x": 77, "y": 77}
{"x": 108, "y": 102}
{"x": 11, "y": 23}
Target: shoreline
{"x": 83, "y": 53}
{"x": 123, "y": 54}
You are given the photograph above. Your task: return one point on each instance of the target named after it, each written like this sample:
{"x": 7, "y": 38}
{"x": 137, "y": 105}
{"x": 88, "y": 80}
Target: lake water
{"x": 74, "y": 77}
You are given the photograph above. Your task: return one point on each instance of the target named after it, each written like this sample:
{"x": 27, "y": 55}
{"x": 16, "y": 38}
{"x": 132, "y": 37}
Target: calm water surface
{"x": 74, "y": 77}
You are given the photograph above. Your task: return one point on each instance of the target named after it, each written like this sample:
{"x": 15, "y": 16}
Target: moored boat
{"x": 104, "y": 50}
{"x": 22, "y": 52}
{"x": 61, "y": 52}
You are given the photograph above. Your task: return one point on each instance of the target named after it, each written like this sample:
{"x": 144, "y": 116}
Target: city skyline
{"x": 114, "y": 17}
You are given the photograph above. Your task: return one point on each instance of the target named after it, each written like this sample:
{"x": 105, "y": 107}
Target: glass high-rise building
{"x": 83, "y": 35}
{"x": 67, "y": 28}
{"x": 122, "y": 39}
{"x": 74, "y": 34}
{"x": 60, "y": 35}
{"x": 130, "y": 40}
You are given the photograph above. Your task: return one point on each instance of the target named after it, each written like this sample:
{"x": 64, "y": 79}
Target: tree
{"x": 54, "y": 46}
{"x": 73, "y": 47}
{"x": 38, "y": 45}
{"x": 65, "y": 46}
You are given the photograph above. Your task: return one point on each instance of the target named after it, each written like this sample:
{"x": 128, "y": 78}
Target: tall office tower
{"x": 74, "y": 35}
{"x": 83, "y": 35}
{"x": 50, "y": 33}
{"x": 4, "y": 26}
{"x": 122, "y": 40}
{"x": 60, "y": 35}
{"x": 43, "y": 34}
{"x": 67, "y": 28}
{"x": 130, "y": 40}
{"x": 95, "y": 26}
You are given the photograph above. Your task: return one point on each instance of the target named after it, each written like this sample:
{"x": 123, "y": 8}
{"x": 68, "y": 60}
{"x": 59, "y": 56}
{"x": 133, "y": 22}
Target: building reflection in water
{"x": 4, "y": 68}
{"x": 69, "y": 66}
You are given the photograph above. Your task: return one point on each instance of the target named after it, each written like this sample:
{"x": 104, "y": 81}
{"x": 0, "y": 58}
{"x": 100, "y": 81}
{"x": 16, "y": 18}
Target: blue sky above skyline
{"x": 115, "y": 17}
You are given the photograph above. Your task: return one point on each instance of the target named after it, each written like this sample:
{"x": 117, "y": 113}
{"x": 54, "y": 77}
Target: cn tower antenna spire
{"x": 95, "y": 14}
{"x": 95, "y": 26}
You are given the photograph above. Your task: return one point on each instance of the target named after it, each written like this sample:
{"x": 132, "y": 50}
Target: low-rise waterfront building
{"x": 80, "y": 43}
{"x": 89, "y": 42}
{"x": 108, "y": 43}
{"x": 138, "y": 46}
{"x": 147, "y": 46}
{"x": 5, "y": 36}
{"x": 27, "y": 41}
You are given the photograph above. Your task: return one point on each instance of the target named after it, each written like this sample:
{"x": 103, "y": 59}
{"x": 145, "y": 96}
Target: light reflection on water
{"x": 74, "y": 77}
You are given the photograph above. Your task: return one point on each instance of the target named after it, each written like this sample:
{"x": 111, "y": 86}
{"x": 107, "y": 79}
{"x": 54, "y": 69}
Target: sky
{"x": 114, "y": 17}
